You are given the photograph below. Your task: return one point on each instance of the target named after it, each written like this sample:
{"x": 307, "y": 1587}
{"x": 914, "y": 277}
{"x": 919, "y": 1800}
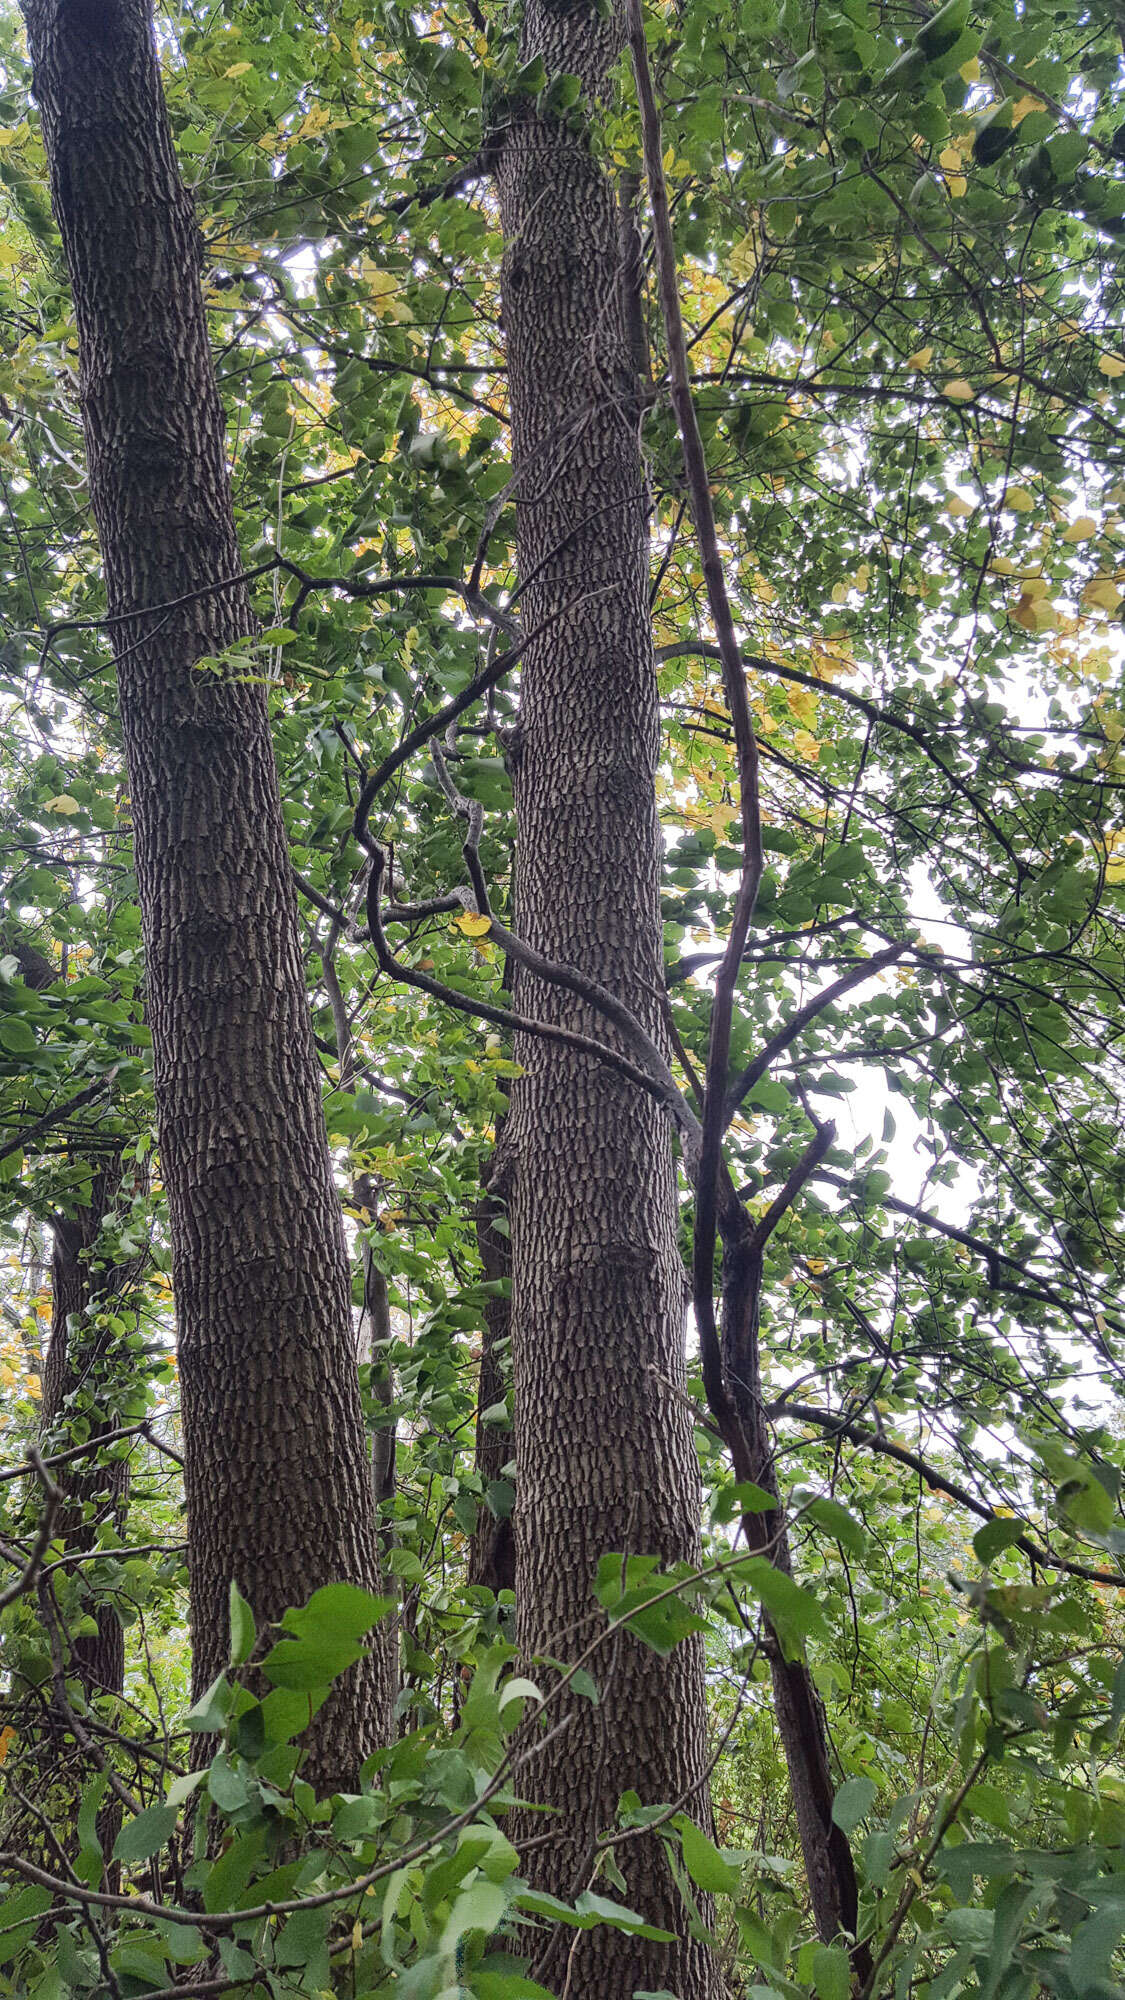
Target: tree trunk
{"x": 492, "y": 1546}
{"x": 604, "y": 1449}
{"x": 85, "y": 1370}
{"x": 278, "y": 1484}
{"x": 801, "y": 1722}
{"x": 80, "y": 1364}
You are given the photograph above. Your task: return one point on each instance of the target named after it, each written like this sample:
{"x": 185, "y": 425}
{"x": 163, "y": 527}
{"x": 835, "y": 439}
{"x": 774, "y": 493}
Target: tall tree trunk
{"x": 278, "y": 1482}
{"x": 604, "y": 1450}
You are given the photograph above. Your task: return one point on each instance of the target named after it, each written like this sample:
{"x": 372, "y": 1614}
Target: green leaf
{"x": 228, "y": 1877}
{"x": 995, "y": 1536}
{"x": 708, "y": 1868}
{"x": 831, "y": 1971}
{"x": 743, "y": 1497}
{"x": 337, "y": 1610}
{"x": 853, "y": 1802}
{"x": 594, "y": 1909}
{"x": 478, "y": 1908}
{"x": 357, "y": 1817}
{"x": 1085, "y": 1501}
{"x": 633, "y": 1588}
{"x": 793, "y": 1611}
{"x": 90, "y": 1860}
{"x": 210, "y": 1712}
{"x": 18, "y": 1916}
{"x": 228, "y": 1787}
{"x": 327, "y": 1639}
{"x": 16, "y": 1036}
{"x": 519, "y": 1688}
{"x": 836, "y": 1520}
{"x": 146, "y": 1835}
{"x": 243, "y": 1631}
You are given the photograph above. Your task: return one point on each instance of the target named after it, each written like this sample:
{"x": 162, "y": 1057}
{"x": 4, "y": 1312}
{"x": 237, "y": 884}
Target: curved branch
{"x": 840, "y": 1426}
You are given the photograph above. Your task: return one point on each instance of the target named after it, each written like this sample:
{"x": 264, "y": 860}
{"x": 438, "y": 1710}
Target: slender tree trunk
{"x": 277, "y": 1476}
{"x": 78, "y": 1378}
{"x": 801, "y": 1722}
{"x": 492, "y": 1546}
{"x": 84, "y": 1373}
{"x": 604, "y": 1451}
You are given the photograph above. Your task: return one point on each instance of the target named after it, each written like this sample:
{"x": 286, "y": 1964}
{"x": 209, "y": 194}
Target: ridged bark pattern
{"x": 605, "y": 1458}
{"x": 278, "y": 1477}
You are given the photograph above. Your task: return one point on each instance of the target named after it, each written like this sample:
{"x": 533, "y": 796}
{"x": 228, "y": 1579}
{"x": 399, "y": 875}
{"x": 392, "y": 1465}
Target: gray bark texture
{"x": 604, "y": 1448}
{"x": 278, "y": 1476}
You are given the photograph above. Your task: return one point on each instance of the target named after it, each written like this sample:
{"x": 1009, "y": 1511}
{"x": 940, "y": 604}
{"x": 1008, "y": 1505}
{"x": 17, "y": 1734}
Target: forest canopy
{"x": 562, "y": 984}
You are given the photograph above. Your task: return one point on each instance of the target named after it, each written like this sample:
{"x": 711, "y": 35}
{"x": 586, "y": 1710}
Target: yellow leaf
{"x": 7, "y": 1738}
{"x": 960, "y": 509}
{"x": 922, "y": 359}
{"x": 1035, "y": 614}
{"x": 806, "y": 745}
{"x": 959, "y": 391}
{"x": 357, "y": 1936}
{"x": 34, "y": 1387}
{"x": 745, "y": 254}
{"x": 970, "y": 71}
{"x": 950, "y": 160}
{"x": 815, "y": 1265}
{"x": 1101, "y": 594}
{"x": 63, "y": 804}
{"x": 956, "y": 186}
{"x": 471, "y": 925}
{"x": 1019, "y": 500}
{"x": 1023, "y": 106}
{"x": 1111, "y": 365}
{"x": 238, "y": 69}
{"x": 1002, "y": 566}
{"x": 839, "y": 593}
{"x": 1080, "y": 531}
{"x": 11, "y": 134}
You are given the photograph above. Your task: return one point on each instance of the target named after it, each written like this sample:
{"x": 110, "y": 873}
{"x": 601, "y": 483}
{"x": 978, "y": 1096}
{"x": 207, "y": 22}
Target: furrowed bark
{"x": 277, "y": 1476}
{"x": 604, "y": 1451}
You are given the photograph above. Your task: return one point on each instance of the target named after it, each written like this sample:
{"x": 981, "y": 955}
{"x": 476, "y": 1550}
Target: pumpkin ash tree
{"x": 278, "y": 1485}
